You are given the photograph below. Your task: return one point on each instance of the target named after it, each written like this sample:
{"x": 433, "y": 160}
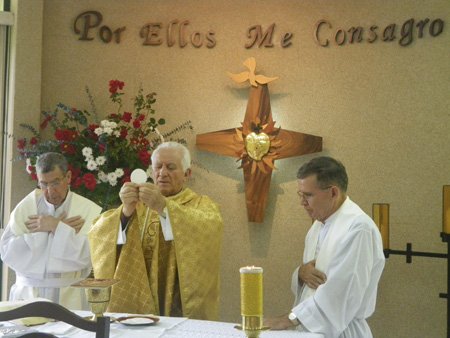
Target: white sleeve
{"x": 166, "y": 226}
{"x": 69, "y": 251}
{"x": 26, "y": 254}
{"x": 122, "y": 236}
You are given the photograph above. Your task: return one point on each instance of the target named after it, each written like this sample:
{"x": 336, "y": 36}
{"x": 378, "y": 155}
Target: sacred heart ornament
{"x": 257, "y": 145}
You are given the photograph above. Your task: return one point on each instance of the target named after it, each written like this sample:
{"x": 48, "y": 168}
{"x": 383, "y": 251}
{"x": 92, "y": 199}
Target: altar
{"x": 166, "y": 327}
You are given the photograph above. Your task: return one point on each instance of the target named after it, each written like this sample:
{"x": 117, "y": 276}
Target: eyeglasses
{"x": 45, "y": 185}
{"x": 307, "y": 196}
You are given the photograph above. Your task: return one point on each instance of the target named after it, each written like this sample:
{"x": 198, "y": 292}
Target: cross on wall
{"x": 257, "y": 143}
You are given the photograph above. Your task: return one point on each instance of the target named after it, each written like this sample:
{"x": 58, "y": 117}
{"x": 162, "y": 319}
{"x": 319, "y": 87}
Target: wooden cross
{"x": 258, "y": 143}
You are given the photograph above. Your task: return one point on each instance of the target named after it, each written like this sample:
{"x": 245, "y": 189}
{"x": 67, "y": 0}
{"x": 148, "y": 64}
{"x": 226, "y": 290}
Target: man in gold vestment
{"x": 163, "y": 243}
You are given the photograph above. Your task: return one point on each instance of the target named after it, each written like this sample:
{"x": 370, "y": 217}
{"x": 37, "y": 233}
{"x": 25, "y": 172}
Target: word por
{"x": 88, "y": 21}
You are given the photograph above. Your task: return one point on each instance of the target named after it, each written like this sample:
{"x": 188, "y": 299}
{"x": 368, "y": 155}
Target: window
{"x": 6, "y": 20}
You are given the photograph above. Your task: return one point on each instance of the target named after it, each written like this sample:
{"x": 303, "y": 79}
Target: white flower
{"x": 98, "y": 131}
{"x": 87, "y": 152}
{"x": 108, "y": 124}
{"x": 100, "y": 160}
{"x": 91, "y": 165}
{"x": 117, "y": 133}
{"x": 102, "y": 176}
{"x": 119, "y": 172}
{"x": 112, "y": 178}
{"x": 28, "y": 164}
{"x": 108, "y": 130}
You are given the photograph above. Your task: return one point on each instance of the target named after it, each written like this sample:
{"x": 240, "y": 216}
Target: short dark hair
{"x": 50, "y": 161}
{"x": 328, "y": 170}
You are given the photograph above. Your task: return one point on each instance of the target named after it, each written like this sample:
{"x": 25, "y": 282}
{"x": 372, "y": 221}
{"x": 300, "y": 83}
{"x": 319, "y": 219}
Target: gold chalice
{"x": 98, "y": 294}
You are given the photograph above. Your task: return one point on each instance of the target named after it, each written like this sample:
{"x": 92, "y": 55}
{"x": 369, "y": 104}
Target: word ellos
{"x": 89, "y": 26}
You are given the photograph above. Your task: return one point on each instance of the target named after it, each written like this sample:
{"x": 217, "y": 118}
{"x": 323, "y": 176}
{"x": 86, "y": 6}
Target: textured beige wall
{"x": 382, "y": 109}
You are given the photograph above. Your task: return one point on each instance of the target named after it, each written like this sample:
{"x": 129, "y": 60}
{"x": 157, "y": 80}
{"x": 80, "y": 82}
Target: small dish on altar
{"x": 137, "y": 320}
{"x": 94, "y": 283}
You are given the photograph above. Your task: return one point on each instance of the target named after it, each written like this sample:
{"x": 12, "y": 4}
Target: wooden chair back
{"x": 58, "y": 312}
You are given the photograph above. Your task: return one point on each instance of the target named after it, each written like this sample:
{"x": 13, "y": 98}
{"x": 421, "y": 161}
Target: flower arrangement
{"x": 101, "y": 154}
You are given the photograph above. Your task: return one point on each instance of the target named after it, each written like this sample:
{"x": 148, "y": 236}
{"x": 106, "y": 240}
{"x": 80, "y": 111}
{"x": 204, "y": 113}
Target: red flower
{"x": 67, "y": 134}
{"x": 68, "y": 148}
{"x": 74, "y": 135}
{"x": 114, "y": 116}
{"x": 76, "y": 182}
{"x": 144, "y": 156}
{"x": 141, "y": 117}
{"x": 46, "y": 121}
{"x": 114, "y": 85}
{"x": 127, "y": 172}
{"x": 34, "y": 141}
{"x": 102, "y": 147}
{"x": 127, "y": 117}
{"x": 31, "y": 168}
{"x": 123, "y": 133}
{"x": 91, "y": 133}
{"x": 59, "y": 135}
{"x": 134, "y": 140}
{"x": 126, "y": 179}
{"x": 144, "y": 142}
{"x": 137, "y": 124}
{"x": 34, "y": 177}
{"x": 89, "y": 181}
{"x": 75, "y": 173}
{"x": 22, "y": 143}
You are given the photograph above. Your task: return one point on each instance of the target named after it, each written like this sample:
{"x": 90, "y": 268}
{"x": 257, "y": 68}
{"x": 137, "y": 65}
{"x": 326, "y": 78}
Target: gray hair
{"x": 50, "y": 161}
{"x": 186, "y": 156}
{"x": 328, "y": 170}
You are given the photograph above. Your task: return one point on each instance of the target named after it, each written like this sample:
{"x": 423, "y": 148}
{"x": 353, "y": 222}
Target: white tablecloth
{"x": 206, "y": 329}
{"x": 167, "y": 327}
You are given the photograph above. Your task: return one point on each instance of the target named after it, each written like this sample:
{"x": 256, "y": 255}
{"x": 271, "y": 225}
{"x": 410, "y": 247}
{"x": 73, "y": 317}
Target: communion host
{"x": 336, "y": 287}
{"x": 163, "y": 243}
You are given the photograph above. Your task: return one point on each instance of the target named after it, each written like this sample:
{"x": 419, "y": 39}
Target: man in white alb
{"x": 46, "y": 242}
{"x": 335, "y": 289}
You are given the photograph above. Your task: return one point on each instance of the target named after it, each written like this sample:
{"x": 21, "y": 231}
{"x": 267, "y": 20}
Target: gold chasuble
{"x": 157, "y": 276}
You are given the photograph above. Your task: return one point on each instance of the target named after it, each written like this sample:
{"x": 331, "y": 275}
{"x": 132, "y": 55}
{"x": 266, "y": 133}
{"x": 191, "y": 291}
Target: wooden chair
{"x": 37, "y": 335}
{"x": 58, "y": 312}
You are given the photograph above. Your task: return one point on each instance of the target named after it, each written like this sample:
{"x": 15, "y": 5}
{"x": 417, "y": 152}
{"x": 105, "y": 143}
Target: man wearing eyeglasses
{"x": 335, "y": 289}
{"x": 45, "y": 242}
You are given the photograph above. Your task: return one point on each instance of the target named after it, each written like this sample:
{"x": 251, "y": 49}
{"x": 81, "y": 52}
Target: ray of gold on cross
{"x": 257, "y": 143}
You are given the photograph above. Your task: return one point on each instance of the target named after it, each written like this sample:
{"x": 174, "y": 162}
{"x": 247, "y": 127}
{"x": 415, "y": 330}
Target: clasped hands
{"x": 148, "y": 193}
{"x": 46, "y": 223}
{"x": 309, "y": 275}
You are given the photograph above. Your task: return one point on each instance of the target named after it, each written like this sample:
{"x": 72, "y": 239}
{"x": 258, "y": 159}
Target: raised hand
{"x": 151, "y": 196}
{"x": 129, "y": 195}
